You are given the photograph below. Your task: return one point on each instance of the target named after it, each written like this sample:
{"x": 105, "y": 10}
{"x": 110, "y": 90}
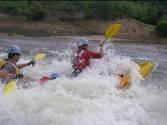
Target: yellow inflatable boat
{"x": 125, "y": 81}
{"x": 145, "y": 69}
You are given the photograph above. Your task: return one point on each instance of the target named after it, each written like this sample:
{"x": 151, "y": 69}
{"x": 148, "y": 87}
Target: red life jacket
{"x": 82, "y": 58}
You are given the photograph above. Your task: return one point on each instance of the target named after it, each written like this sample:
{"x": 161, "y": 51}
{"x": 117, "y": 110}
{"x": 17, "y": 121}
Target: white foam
{"x": 90, "y": 99}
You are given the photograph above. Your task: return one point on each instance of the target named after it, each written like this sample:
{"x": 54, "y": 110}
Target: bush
{"x": 161, "y": 28}
{"x": 102, "y": 10}
{"x": 146, "y": 11}
{"x": 35, "y": 11}
{"x": 12, "y": 7}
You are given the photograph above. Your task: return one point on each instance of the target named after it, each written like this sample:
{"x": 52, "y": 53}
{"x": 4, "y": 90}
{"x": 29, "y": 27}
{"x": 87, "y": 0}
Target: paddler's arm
{"x": 97, "y": 54}
{"x": 20, "y": 66}
{"x": 101, "y": 50}
{"x": 2, "y": 74}
{"x": 6, "y": 75}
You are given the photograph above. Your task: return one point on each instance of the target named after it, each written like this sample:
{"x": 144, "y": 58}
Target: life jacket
{"x": 82, "y": 58}
{"x": 4, "y": 62}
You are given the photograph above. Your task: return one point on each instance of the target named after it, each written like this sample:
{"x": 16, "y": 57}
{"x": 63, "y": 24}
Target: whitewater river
{"x": 92, "y": 98}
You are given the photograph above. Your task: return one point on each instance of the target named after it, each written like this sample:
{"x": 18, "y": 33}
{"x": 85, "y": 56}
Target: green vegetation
{"x": 162, "y": 28}
{"x": 150, "y": 12}
{"x": 35, "y": 11}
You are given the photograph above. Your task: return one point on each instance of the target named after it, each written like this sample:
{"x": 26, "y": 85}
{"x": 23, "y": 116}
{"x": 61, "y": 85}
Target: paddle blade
{"x": 145, "y": 68}
{"x": 112, "y": 30}
{"x": 10, "y": 86}
{"x": 39, "y": 55}
{"x": 43, "y": 80}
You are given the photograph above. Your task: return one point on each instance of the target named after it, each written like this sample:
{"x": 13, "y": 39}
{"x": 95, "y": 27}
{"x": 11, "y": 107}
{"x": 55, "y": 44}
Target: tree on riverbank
{"x": 150, "y": 12}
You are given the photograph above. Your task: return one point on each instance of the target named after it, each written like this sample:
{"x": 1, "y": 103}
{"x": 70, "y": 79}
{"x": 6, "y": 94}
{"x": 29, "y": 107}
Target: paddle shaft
{"x": 111, "y": 31}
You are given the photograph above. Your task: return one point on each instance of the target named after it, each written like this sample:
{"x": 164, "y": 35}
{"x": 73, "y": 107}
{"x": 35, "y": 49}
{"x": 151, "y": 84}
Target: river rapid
{"x": 92, "y": 98}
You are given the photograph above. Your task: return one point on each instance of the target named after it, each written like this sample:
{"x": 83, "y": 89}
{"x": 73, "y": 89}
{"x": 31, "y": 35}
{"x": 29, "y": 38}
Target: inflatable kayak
{"x": 11, "y": 85}
{"x": 144, "y": 69}
{"x": 125, "y": 81}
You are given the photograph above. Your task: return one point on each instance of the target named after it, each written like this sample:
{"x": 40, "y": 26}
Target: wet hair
{"x": 11, "y": 55}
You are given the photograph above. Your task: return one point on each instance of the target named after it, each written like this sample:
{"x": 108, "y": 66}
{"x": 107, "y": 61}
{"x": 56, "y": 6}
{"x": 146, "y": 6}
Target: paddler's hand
{"x": 19, "y": 76}
{"x": 101, "y": 44}
{"x": 53, "y": 76}
{"x": 76, "y": 72}
{"x": 32, "y": 63}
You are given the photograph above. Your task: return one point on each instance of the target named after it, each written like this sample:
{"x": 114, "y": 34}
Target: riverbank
{"x": 131, "y": 31}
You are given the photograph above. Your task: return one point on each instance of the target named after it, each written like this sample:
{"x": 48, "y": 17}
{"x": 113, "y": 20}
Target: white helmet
{"x": 82, "y": 42}
{"x": 14, "y": 49}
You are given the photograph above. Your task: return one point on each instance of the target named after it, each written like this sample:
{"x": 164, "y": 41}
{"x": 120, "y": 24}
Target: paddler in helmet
{"x": 11, "y": 66}
{"x": 81, "y": 58}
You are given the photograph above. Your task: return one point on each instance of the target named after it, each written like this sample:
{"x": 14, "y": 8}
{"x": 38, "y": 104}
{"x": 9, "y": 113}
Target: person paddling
{"x": 11, "y": 66}
{"x": 81, "y": 58}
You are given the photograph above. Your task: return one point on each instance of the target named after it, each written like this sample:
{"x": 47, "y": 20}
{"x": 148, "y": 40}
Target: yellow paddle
{"x": 145, "y": 68}
{"x": 39, "y": 55}
{"x": 10, "y": 86}
{"x": 111, "y": 31}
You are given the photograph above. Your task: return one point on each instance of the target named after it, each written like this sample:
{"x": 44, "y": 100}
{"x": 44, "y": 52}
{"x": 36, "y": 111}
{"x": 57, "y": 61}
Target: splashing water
{"x": 90, "y": 99}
